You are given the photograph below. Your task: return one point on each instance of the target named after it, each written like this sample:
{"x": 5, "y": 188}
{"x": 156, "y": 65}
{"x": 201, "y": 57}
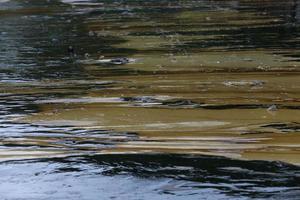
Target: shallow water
{"x": 209, "y": 88}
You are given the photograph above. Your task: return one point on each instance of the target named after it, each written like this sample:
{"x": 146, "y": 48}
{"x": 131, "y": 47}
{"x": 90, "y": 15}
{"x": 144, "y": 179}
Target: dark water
{"x": 148, "y": 177}
{"x": 184, "y": 117}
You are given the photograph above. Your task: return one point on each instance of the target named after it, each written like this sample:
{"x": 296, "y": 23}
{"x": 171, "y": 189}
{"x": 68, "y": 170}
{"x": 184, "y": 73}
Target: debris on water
{"x": 272, "y": 108}
{"x": 114, "y": 61}
{"x": 251, "y": 83}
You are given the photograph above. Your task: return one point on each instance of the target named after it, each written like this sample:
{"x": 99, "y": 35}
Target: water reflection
{"x": 184, "y": 77}
{"x": 161, "y": 176}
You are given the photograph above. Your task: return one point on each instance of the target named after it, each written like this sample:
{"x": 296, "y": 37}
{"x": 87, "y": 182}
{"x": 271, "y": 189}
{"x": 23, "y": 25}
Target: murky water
{"x": 155, "y": 99}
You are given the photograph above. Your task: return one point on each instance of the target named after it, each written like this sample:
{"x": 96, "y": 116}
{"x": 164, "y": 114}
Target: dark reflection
{"x": 35, "y": 35}
{"x": 37, "y": 64}
{"x": 284, "y": 127}
{"x": 255, "y": 179}
{"x": 16, "y": 105}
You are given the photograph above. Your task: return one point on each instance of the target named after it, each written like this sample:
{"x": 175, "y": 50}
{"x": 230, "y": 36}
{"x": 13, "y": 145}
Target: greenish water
{"x": 149, "y": 99}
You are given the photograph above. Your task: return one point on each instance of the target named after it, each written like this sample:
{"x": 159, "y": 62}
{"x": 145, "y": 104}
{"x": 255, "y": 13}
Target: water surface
{"x": 188, "y": 116}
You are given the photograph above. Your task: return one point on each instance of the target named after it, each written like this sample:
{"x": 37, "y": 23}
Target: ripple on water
{"x": 156, "y": 176}
{"x": 192, "y": 77}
